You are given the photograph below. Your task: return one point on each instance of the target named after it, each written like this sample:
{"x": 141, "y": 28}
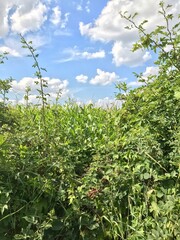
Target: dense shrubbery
{"x": 71, "y": 172}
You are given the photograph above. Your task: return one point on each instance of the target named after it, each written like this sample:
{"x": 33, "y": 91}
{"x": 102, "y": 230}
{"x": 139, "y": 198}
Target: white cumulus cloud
{"x": 22, "y": 16}
{"x": 104, "y": 78}
{"x": 82, "y": 78}
{"x": 19, "y": 86}
{"x": 26, "y": 19}
{"x": 109, "y": 26}
{"x": 122, "y": 54}
{"x": 150, "y": 71}
{"x": 55, "y": 86}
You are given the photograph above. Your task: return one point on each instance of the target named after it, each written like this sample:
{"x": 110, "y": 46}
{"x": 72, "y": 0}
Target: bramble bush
{"x": 81, "y": 172}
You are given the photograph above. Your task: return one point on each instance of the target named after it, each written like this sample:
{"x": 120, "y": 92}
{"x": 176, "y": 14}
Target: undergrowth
{"x": 82, "y": 172}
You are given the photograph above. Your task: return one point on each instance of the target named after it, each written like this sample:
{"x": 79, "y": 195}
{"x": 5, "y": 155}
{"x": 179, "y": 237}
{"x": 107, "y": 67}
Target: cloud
{"x": 85, "y": 29}
{"x": 60, "y": 32}
{"x": 20, "y": 86}
{"x": 87, "y": 7}
{"x": 37, "y": 40}
{"x": 79, "y": 7}
{"x": 83, "y": 7}
{"x": 56, "y": 16}
{"x": 65, "y": 20}
{"x": 122, "y": 55}
{"x": 76, "y": 54}
{"x": 150, "y": 71}
{"x": 57, "y": 19}
{"x": 82, "y": 78}
{"x": 13, "y": 46}
{"x": 110, "y": 27}
{"x": 108, "y": 103}
{"x": 28, "y": 17}
{"x": 88, "y": 55}
{"x": 4, "y": 26}
{"x": 135, "y": 84}
{"x": 21, "y": 16}
{"x": 104, "y": 78}
{"x": 54, "y": 86}
{"x": 10, "y": 51}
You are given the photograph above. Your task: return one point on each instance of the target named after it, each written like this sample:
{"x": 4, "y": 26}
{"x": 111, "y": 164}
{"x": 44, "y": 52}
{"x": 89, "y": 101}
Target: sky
{"x": 83, "y": 44}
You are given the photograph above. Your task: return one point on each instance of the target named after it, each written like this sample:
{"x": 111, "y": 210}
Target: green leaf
{"x": 159, "y": 194}
{"x": 2, "y": 139}
{"x": 177, "y": 95}
{"x": 154, "y": 208}
{"x": 147, "y": 176}
{"x": 30, "y": 219}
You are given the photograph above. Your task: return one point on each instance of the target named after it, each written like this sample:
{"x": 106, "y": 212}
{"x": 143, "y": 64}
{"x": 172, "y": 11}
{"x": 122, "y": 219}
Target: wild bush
{"x": 92, "y": 173}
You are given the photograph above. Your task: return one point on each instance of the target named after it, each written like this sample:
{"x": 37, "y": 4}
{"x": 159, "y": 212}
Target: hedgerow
{"x": 83, "y": 172}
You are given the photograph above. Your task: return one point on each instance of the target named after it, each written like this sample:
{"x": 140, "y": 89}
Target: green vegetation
{"x": 70, "y": 172}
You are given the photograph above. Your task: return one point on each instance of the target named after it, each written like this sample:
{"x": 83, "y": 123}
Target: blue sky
{"x": 83, "y": 45}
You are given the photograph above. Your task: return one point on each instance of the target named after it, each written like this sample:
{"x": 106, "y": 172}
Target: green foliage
{"x": 26, "y": 96}
{"x": 123, "y": 90}
{"x": 41, "y": 82}
{"x": 7, "y": 114}
{"x": 3, "y": 56}
{"x": 5, "y": 86}
{"x": 97, "y": 173}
